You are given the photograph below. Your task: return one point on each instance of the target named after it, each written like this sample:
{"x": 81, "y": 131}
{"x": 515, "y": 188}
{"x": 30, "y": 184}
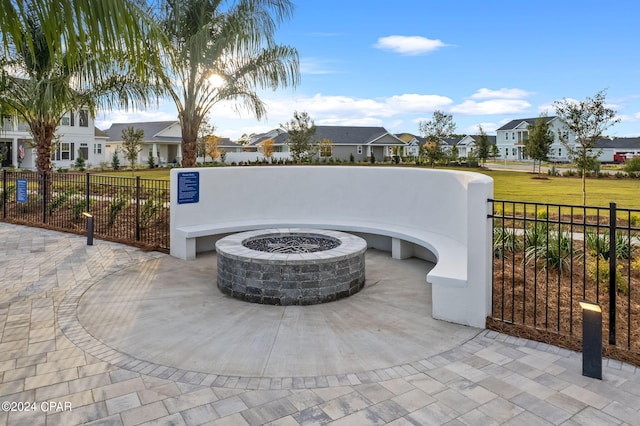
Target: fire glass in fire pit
{"x": 290, "y": 266}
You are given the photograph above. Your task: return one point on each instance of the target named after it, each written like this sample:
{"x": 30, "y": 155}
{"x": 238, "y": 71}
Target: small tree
{"x": 212, "y": 144}
{"x": 587, "y": 120}
{"x": 539, "y": 142}
{"x": 132, "y": 143}
{"x": 434, "y": 131}
{"x": 495, "y": 152}
{"x": 80, "y": 163}
{"x": 484, "y": 146}
{"x": 300, "y": 130}
{"x": 206, "y": 130}
{"x": 115, "y": 160}
{"x": 267, "y": 148}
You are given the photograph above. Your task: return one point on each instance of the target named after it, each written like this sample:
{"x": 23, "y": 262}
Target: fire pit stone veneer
{"x": 291, "y": 266}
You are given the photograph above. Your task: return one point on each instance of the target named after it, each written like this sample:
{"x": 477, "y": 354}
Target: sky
{"x": 392, "y": 64}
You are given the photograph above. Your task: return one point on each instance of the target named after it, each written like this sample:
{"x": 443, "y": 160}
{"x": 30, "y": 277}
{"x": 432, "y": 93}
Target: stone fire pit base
{"x": 282, "y": 277}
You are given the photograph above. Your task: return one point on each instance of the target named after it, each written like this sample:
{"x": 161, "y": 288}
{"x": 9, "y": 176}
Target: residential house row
{"x": 77, "y": 135}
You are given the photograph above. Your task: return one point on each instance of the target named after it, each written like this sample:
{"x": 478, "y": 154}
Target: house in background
{"x": 468, "y": 144}
{"x": 618, "y": 149}
{"x": 361, "y": 142}
{"x": 161, "y": 139}
{"x": 511, "y": 137}
{"x": 75, "y": 135}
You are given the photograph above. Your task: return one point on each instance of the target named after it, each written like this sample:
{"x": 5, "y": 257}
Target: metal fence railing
{"x": 549, "y": 257}
{"x": 129, "y": 210}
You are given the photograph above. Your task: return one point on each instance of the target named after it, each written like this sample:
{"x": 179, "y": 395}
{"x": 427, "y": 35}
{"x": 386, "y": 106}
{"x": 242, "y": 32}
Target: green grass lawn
{"x": 520, "y": 186}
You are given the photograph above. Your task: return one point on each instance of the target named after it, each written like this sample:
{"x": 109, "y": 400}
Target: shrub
{"x": 372, "y": 159}
{"x": 60, "y": 200}
{"x": 634, "y": 220}
{"x": 535, "y": 235}
{"x": 632, "y": 164}
{"x": 542, "y": 214}
{"x": 556, "y": 250}
{"x": 117, "y": 205}
{"x": 149, "y": 210}
{"x": 151, "y": 161}
{"x": 352, "y": 159}
{"x": 552, "y": 171}
{"x": 80, "y": 162}
{"x": 504, "y": 240}
{"x": 115, "y": 161}
{"x": 599, "y": 271}
{"x": 620, "y": 175}
{"x": 11, "y": 191}
{"x": 78, "y": 206}
{"x": 598, "y": 245}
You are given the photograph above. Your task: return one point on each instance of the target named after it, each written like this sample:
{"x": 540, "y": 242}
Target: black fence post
{"x": 45, "y": 196}
{"x": 137, "y": 208}
{"x": 87, "y": 193}
{"x": 4, "y": 193}
{"x": 612, "y": 273}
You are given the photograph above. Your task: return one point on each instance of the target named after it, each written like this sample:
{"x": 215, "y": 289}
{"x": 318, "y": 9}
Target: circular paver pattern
{"x": 166, "y": 318}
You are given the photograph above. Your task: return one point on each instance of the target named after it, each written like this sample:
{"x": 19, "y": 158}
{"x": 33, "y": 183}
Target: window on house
{"x": 506, "y": 152}
{"x": 64, "y": 152}
{"x": 84, "y": 150}
{"x": 97, "y": 148}
{"x": 559, "y": 152}
{"x": 64, "y": 121}
{"x": 513, "y": 135}
{"x": 513, "y": 152}
{"x": 359, "y": 150}
{"x": 83, "y": 118}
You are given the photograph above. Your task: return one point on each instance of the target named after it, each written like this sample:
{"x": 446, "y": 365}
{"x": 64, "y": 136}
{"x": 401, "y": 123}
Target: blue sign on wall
{"x": 188, "y": 187}
{"x": 21, "y": 190}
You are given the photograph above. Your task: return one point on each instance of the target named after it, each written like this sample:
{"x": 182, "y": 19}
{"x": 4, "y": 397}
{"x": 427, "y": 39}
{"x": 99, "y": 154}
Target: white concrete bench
{"x": 440, "y": 212}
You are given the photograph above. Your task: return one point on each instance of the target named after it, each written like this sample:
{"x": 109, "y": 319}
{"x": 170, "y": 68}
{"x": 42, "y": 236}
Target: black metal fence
{"x": 549, "y": 257}
{"x": 129, "y": 210}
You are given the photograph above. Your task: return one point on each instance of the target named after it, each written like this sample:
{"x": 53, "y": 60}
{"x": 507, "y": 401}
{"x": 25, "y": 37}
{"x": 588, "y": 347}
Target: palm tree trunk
{"x": 43, "y": 135}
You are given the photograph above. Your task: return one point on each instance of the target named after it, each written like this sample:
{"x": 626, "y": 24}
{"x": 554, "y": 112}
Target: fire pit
{"x": 291, "y": 266}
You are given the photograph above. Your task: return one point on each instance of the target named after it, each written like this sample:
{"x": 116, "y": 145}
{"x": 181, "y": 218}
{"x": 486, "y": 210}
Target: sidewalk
{"x": 85, "y": 340}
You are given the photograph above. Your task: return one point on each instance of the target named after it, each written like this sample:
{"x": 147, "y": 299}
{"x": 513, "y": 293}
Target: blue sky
{"x": 391, "y": 64}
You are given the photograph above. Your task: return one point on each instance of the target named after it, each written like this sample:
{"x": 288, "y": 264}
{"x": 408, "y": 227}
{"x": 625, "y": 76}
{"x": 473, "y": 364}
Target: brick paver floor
{"x": 52, "y": 372}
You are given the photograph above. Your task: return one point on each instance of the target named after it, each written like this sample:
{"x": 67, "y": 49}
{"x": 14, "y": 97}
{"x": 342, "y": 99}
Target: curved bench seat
{"x": 449, "y": 253}
{"x": 443, "y": 212}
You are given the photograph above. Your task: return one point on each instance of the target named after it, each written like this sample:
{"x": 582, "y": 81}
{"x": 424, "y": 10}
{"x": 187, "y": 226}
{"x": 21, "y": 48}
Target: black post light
{"x": 89, "y": 228}
{"x": 591, "y": 340}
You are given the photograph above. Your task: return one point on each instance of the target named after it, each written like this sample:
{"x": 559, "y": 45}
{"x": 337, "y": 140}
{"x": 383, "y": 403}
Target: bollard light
{"x": 591, "y": 340}
{"x": 89, "y": 228}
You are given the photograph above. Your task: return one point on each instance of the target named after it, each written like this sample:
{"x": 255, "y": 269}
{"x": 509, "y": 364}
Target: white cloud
{"x": 408, "y": 45}
{"x": 415, "y": 103}
{"x": 489, "y": 128}
{"x": 315, "y": 66}
{"x": 495, "y": 106}
{"x": 503, "y": 93}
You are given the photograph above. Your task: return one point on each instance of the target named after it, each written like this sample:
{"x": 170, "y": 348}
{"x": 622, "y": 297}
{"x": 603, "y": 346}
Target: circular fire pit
{"x": 290, "y": 266}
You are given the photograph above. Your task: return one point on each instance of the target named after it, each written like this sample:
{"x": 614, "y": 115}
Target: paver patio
{"x": 60, "y": 348}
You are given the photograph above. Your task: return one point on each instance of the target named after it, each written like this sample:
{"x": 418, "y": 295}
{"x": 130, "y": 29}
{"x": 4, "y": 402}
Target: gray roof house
{"x": 610, "y": 147}
{"x": 361, "y": 142}
{"x": 510, "y": 138}
{"x": 162, "y": 139}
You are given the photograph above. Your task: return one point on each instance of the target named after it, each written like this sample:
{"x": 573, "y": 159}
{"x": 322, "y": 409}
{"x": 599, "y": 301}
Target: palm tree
{"x": 219, "y": 51}
{"x": 57, "y": 56}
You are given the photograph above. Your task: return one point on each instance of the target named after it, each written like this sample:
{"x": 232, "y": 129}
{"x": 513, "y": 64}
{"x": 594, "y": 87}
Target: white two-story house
{"x": 75, "y": 136}
{"x": 510, "y": 139}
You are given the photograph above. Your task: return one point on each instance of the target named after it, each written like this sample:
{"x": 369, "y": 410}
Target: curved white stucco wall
{"x": 443, "y": 211}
